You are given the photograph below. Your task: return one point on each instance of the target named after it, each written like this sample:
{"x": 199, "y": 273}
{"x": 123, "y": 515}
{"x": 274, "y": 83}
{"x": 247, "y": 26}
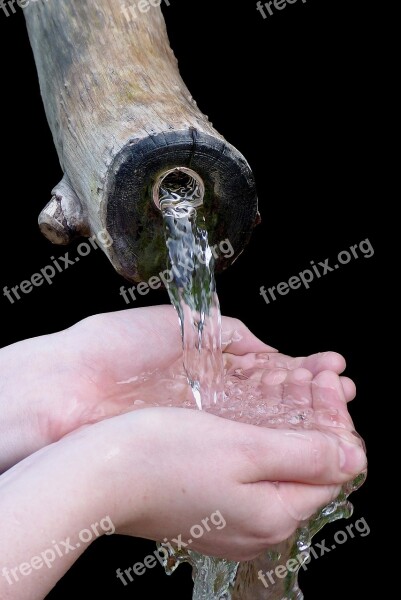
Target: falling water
{"x": 193, "y": 289}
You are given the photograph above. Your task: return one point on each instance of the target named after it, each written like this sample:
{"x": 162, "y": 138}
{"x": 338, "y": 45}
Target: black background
{"x": 294, "y": 94}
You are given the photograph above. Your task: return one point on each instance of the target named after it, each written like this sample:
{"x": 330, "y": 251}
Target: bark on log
{"x": 120, "y": 115}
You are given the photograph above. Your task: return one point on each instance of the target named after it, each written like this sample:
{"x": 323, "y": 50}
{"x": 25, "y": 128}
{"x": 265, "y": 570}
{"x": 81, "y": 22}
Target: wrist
{"x": 41, "y": 396}
{"x": 51, "y": 511}
{"x": 23, "y": 416}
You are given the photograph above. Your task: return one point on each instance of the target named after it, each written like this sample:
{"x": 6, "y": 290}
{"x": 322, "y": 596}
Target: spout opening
{"x": 178, "y": 185}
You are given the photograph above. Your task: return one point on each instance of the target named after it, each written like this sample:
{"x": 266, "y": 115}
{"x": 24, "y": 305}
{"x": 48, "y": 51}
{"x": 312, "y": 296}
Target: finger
{"x": 285, "y": 506}
{"x": 272, "y": 385}
{"x": 329, "y": 401}
{"x": 324, "y": 361}
{"x": 251, "y": 365}
{"x": 238, "y": 339}
{"x": 297, "y": 388}
{"x": 301, "y": 501}
{"x": 292, "y": 387}
{"x": 303, "y": 456}
{"x": 349, "y": 388}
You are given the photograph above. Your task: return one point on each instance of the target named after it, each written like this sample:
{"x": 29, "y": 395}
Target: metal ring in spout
{"x": 178, "y": 186}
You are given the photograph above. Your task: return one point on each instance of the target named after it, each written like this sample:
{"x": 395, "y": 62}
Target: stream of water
{"x": 193, "y": 292}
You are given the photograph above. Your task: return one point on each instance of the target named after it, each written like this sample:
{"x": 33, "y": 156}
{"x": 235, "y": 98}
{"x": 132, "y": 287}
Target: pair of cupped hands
{"x": 74, "y": 450}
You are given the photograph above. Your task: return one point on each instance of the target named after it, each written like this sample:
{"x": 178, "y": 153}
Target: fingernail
{"x": 352, "y": 458}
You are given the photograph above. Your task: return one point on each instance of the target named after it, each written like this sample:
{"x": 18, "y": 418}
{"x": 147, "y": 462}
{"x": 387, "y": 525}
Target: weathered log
{"x": 120, "y": 116}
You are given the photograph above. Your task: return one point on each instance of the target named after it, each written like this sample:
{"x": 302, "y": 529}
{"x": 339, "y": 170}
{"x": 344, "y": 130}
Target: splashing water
{"x": 233, "y": 387}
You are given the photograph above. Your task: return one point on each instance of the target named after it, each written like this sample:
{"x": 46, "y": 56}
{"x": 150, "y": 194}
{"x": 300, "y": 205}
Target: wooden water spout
{"x": 121, "y": 116}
